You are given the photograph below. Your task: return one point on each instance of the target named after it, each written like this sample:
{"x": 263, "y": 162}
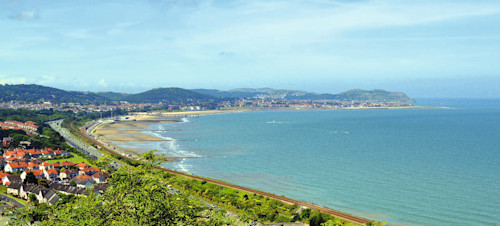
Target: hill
{"x": 37, "y": 93}
{"x": 373, "y": 95}
{"x": 113, "y": 95}
{"x": 167, "y": 95}
{"x": 351, "y": 95}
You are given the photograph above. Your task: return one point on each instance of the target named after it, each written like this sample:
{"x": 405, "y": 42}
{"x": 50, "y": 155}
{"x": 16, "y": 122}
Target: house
{"x": 83, "y": 183}
{"x": 13, "y": 188}
{"x": 7, "y": 141}
{"x": 34, "y": 153}
{"x": 51, "y": 174}
{"x": 45, "y": 166}
{"x": 83, "y": 177}
{"x": 100, "y": 188}
{"x": 48, "y": 153}
{"x": 38, "y": 174}
{"x": 33, "y": 166}
{"x": 48, "y": 196}
{"x": 67, "y": 189}
{"x": 82, "y": 165}
{"x": 2, "y": 174}
{"x": 68, "y": 174}
{"x": 100, "y": 177}
{"x": 26, "y": 189}
{"x": 43, "y": 195}
{"x": 66, "y": 164}
{"x": 89, "y": 171}
{"x": 56, "y": 165}
{"x": 16, "y": 167}
{"x": 8, "y": 154}
{"x": 11, "y": 179}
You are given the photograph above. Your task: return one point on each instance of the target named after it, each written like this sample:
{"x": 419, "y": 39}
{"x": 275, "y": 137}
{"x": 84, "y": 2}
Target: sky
{"x": 424, "y": 48}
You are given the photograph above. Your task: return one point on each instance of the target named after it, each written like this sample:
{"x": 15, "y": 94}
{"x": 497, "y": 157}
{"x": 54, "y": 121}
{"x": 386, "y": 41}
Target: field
{"x": 75, "y": 159}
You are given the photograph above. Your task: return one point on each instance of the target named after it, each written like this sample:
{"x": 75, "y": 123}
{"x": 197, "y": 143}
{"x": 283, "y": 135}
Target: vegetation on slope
{"x": 37, "y": 93}
{"x": 167, "y": 95}
{"x": 373, "y": 95}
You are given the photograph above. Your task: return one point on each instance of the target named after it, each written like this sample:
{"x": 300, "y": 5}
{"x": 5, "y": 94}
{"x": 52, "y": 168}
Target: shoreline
{"x": 339, "y": 214}
{"x": 111, "y": 132}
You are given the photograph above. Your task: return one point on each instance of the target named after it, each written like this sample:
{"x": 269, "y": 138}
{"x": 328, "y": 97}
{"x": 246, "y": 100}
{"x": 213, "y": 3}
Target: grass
{"x": 75, "y": 159}
{"x": 3, "y": 190}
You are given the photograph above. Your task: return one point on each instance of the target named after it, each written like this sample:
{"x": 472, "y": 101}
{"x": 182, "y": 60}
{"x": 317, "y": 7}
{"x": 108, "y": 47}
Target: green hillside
{"x": 37, "y": 93}
{"x": 167, "y": 95}
{"x": 373, "y": 95}
{"x": 113, "y": 95}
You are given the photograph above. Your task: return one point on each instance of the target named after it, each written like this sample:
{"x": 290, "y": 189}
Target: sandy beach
{"x": 131, "y": 129}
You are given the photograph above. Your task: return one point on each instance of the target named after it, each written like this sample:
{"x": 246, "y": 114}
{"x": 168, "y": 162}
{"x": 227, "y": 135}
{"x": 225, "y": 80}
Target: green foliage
{"x": 248, "y": 206}
{"x": 40, "y": 213}
{"x": 135, "y": 197}
{"x": 66, "y": 198}
{"x": 37, "y": 93}
{"x": 167, "y": 95}
{"x": 72, "y": 183}
{"x": 30, "y": 178}
{"x": 104, "y": 162}
{"x": 316, "y": 219}
{"x": 44, "y": 183}
{"x": 32, "y": 198}
{"x": 151, "y": 159}
{"x": 373, "y": 95}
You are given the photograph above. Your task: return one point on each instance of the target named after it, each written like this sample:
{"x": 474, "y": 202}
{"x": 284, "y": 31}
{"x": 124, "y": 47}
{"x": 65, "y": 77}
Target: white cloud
{"x": 102, "y": 83}
{"x": 12, "y": 80}
{"x": 25, "y": 15}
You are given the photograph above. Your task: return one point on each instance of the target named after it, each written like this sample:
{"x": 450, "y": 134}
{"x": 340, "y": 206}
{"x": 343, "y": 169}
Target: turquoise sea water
{"x": 409, "y": 166}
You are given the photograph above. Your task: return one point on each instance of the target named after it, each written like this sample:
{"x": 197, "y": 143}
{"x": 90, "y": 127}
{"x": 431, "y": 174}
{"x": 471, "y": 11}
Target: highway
{"x": 79, "y": 145}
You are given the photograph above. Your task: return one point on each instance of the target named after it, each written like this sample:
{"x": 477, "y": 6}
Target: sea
{"x": 433, "y": 166}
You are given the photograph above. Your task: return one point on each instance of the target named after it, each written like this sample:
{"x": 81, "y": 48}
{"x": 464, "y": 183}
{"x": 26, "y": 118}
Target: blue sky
{"x": 423, "y": 48}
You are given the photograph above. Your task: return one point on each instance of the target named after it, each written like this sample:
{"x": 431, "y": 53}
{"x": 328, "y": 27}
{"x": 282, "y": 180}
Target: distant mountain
{"x": 167, "y": 95}
{"x": 268, "y": 93}
{"x": 36, "y": 93}
{"x": 373, "y": 95}
{"x": 113, "y": 95}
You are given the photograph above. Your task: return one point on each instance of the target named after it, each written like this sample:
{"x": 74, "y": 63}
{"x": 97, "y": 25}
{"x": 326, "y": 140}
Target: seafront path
{"x": 339, "y": 214}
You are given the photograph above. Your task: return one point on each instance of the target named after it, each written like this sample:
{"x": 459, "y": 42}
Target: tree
{"x": 30, "y": 178}
{"x": 43, "y": 183}
{"x": 104, "y": 162}
{"x": 72, "y": 183}
{"x": 152, "y": 159}
{"x": 316, "y": 219}
{"x": 32, "y": 198}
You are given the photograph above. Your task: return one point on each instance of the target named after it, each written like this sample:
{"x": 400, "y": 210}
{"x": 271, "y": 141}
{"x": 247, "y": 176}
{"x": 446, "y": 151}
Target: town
{"x": 220, "y": 105}
{"x": 28, "y": 171}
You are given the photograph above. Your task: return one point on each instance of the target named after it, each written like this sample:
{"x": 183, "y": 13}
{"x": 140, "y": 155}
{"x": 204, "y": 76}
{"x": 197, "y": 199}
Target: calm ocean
{"x": 408, "y": 166}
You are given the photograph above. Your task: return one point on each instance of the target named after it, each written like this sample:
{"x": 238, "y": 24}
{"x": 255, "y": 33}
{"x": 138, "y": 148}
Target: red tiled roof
{"x": 52, "y": 171}
{"x": 84, "y": 177}
{"x": 66, "y": 163}
{"x": 83, "y": 165}
{"x": 16, "y": 165}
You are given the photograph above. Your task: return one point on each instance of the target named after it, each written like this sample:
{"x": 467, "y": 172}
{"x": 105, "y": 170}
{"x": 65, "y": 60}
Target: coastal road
{"x": 79, "y": 145}
{"x": 342, "y": 215}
